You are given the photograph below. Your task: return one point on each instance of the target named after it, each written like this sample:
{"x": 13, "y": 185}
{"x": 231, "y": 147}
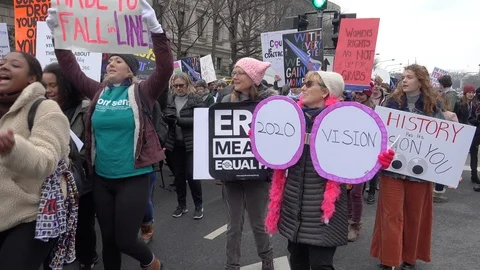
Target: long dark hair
{"x": 71, "y": 96}
{"x": 35, "y": 69}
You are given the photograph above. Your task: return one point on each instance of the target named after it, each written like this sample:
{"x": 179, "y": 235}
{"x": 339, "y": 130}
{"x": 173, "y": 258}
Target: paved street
{"x": 180, "y": 243}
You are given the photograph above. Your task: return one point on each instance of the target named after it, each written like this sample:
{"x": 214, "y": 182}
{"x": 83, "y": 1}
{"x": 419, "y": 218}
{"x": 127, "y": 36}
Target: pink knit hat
{"x": 254, "y": 68}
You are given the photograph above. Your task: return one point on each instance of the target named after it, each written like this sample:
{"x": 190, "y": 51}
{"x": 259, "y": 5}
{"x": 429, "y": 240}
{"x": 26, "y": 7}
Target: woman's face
{"x": 180, "y": 86}
{"x": 118, "y": 70}
{"x": 470, "y": 95}
{"x": 50, "y": 81}
{"x": 360, "y": 97}
{"x": 14, "y": 73}
{"x": 410, "y": 82}
{"x": 219, "y": 88}
{"x": 241, "y": 81}
{"x": 313, "y": 93}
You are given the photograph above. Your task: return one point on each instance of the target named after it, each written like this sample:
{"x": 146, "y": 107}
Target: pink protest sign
{"x": 345, "y": 142}
{"x": 277, "y": 132}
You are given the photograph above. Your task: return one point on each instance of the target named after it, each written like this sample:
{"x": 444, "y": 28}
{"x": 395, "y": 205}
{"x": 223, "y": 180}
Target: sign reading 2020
{"x": 344, "y": 140}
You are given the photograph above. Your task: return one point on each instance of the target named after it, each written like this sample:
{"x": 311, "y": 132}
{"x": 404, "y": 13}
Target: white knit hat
{"x": 333, "y": 81}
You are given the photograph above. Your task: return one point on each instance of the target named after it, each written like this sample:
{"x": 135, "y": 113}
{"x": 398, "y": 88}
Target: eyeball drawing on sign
{"x": 345, "y": 142}
{"x": 277, "y": 132}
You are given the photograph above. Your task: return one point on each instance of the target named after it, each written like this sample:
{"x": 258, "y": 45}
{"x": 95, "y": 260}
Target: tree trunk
{"x": 215, "y": 38}
{"x": 233, "y": 40}
{"x": 179, "y": 45}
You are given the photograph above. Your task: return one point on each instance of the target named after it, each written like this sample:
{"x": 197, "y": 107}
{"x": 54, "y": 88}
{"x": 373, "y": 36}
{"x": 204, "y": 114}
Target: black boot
{"x": 475, "y": 178}
{"x": 407, "y": 266}
{"x": 384, "y": 267}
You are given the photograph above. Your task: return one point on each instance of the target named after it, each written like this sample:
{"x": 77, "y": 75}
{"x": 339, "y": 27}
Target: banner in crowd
{"x": 27, "y": 14}
{"x": 109, "y": 26}
{"x": 4, "y": 40}
{"x": 207, "y": 69}
{"x": 302, "y": 52}
{"x": 191, "y": 66}
{"x": 272, "y": 51}
{"x": 89, "y": 62}
{"x": 428, "y": 148}
{"x": 201, "y": 160}
{"x": 437, "y": 73}
{"x": 177, "y": 66}
{"x": 230, "y": 154}
{"x": 355, "y": 52}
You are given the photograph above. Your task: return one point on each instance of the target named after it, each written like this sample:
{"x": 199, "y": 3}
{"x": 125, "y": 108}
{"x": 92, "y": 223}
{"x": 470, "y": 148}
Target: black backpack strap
{"x": 32, "y": 112}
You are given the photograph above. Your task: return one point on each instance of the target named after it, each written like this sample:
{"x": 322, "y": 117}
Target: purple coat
{"x": 147, "y": 148}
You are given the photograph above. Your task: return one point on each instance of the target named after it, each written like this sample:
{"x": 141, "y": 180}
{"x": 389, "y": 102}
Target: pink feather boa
{"x": 330, "y": 196}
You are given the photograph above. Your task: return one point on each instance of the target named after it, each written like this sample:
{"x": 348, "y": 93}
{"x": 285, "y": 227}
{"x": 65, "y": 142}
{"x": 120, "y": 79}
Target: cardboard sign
{"x": 278, "y": 142}
{"x": 355, "y": 52}
{"x": 89, "y": 62}
{"x": 4, "y": 40}
{"x": 302, "y": 52}
{"x": 437, "y": 73}
{"x": 207, "y": 69}
{"x": 27, "y": 14}
{"x": 429, "y": 148}
{"x": 191, "y": 66}
{"x": 111, "y": 26}
{"x": 345, "y": 142}
{"x": 230, "y": 150}
{"x": 272, "y": 51}
{"x": 177, "y": 66}
{"x": 201, "y": 143}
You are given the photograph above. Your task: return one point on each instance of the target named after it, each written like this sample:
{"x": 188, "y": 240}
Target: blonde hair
{"x": 183, "y": 76}
{"x": 315, "y": 76}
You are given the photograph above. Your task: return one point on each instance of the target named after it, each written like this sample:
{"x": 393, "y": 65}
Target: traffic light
{"x": 337, "y": 18}
{"x": 302, "y": 23}
{"x": 319, "y": 4}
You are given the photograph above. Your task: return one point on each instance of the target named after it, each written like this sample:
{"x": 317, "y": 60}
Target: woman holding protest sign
{"x": 120, "y": 141}
{"x": 252, "y": 195}
{"x": 403, "y": 224}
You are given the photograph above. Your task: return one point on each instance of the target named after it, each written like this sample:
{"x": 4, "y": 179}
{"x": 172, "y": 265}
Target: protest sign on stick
{"x": 355, "y": 52}
{"x": 111, "y": 26}
{"x": 4, "y": 40}
{"x": 27, "y": 14}
{"x": 428, "y": 148}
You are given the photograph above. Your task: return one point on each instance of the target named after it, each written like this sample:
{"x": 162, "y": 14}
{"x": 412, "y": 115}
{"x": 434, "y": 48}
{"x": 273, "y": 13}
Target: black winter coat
{"x": 301, "y": 213}
{"x": 185, "y": 121}
{"x": 464, "y": 117}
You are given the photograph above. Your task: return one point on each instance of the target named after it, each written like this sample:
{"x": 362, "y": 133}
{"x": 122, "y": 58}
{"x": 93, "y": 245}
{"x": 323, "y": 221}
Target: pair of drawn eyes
{"x": 416, "y": 166}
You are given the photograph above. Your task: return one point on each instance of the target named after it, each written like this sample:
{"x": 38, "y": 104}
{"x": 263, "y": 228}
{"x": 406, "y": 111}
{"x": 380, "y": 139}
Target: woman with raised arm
{"x": 121, "y": 143}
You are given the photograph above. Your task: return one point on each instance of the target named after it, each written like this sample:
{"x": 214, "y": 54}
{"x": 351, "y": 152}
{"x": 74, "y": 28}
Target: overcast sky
{"x": 439, "y": 33}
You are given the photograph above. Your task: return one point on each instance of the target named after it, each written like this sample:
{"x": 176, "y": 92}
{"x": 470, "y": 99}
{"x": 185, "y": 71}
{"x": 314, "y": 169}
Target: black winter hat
{"x": 131, "y": 61}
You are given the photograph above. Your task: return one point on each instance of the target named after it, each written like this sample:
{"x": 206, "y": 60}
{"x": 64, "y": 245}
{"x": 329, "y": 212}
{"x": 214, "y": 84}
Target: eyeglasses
{"x": 178, "y": 85}
{"x": 239, "y": 73}
{"x": 309, "y": 84}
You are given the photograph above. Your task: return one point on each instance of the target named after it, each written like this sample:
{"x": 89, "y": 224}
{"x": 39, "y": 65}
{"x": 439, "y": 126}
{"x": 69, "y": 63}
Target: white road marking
{"x": 280, "y": 263}
{"x": 216, "y": 233}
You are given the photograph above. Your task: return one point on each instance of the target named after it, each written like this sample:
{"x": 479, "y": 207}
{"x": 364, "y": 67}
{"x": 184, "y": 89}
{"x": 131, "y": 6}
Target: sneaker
{"x": 476, "y": 187}
{"x": 407, "y": 266}
{"x": 370, "y": 199}
{"x": 179, "y": 211}
{"x": 198, "y": 212}
{"x": 268, "y": 265}
{"x": 384, "y": 267}
{"x": 439, "y": 198}
{"x": 146, "y": 232}
{"x": 89, "y": 267}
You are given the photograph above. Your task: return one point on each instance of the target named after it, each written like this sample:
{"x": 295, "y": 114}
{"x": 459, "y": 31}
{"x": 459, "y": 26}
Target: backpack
{"x": 76, "y": 162}
{"x": 157, "y": 118}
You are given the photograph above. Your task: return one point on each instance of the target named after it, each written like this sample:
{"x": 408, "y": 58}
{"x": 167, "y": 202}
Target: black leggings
{"x": 120, "y": 205}
{"x": 20, "y": 251}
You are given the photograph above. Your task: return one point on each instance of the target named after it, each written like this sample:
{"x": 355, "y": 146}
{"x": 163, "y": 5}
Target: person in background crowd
{"x": 449, "y": 94}
{"x": 203, "y": 91}
{"x": 27, "y": 158}
{"x": 295, "y": 93}
{"x": 378, "y": 96}
{"x": 252, "y": 195}
{"x": 121, "y": 146}
{"x": 74, "y": 106}
{"x": 212, "y": 87}
{"x": 386, "y": 88}
{"x": 476, "y": 186}
{"x": 309, "y": 210}
{"x": 403, "y": 223}
{"x": 466, "y": 110}
{"x": 218, "y": 90}
{"x": 227, "y": 90}
{"x": 179, "y": 117}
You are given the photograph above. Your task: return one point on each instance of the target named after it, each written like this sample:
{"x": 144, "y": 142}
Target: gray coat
{"x": 301, "y": 213}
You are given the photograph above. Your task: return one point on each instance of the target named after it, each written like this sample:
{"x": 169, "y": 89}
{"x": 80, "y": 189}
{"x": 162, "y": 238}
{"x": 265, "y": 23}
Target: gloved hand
{"x": 150, "y": 18}
{"x": 52, "y": 19}
{"x": 386, "y": 158}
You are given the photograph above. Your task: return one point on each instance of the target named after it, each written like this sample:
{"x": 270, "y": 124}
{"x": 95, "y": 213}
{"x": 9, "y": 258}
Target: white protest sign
{"x": 437, "y": 73}
{"x": 207, "y": 69}
{"x": 278, "y": 140}
{"x": 109, "y": 26}
{"x": 345, "y": 142}
{"x": 90, "y": 63}
{"x": 4, "y": 40}
{"x": 429, "y": 148}
{"x": 272, "y": 51}
{"x": 200, "y": 140}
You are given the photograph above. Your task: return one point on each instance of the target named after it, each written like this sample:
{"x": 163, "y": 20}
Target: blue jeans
{"x": 148, "y": 217}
